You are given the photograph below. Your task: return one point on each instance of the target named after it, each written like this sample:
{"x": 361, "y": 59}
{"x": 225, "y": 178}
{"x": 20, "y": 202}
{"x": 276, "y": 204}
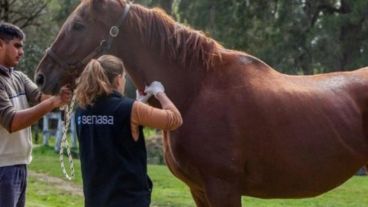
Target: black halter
{"x": 105, "y": 45}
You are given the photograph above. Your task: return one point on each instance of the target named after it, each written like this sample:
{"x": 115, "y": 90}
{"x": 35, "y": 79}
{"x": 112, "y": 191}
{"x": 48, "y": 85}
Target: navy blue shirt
{"x": 114, "y": 166}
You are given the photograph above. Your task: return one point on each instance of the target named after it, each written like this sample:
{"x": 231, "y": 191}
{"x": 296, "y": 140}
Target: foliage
{"x": 28, "y": 15}
{"x": 40, "y": 20}
{"x": 164, "y": 4}
{"x": 22, "y": 13}
{"x": 155, "y": 150}
{"x": 292, "y": 35}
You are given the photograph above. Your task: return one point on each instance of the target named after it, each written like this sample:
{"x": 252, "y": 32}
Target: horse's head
{"x": 87, "y": 33}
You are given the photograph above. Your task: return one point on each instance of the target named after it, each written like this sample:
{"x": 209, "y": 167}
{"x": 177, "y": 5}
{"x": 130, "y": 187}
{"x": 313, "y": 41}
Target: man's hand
{"x": 64, "y": 97}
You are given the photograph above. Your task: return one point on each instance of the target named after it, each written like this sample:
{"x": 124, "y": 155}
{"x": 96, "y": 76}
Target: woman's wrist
{"x": 159, "y": 94}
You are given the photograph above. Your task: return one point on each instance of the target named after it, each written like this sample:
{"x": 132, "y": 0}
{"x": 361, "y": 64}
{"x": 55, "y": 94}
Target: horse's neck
{"x": 181, "y": 85}
{"x": 146, "y": 65}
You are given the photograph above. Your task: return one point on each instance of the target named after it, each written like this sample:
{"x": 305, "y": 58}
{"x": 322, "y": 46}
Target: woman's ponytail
{"x": 97, "y": 79}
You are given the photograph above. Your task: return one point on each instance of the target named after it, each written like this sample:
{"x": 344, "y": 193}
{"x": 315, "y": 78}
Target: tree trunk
{"x": 4, "y": 10}
{"x": 350, "y": 43}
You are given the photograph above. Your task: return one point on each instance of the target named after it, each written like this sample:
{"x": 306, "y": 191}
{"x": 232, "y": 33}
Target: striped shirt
{"x": 16, "y": 92}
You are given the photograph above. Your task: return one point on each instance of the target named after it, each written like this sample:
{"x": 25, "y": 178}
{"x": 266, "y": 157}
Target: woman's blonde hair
{"x": 97, "y": 79}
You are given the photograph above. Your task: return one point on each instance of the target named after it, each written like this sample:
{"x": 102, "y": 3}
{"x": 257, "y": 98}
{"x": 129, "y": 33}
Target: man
{"x": 16, "y": 116}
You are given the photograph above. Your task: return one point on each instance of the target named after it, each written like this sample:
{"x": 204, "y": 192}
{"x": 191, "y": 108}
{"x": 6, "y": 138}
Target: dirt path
{"x": 57, "y": 183}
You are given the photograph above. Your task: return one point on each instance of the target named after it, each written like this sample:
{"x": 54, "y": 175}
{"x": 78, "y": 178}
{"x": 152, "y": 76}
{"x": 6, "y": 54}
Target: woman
{"x": 112, "y": 148}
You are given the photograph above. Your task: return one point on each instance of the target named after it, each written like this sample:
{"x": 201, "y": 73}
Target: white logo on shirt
{"x": 96, "y": 120}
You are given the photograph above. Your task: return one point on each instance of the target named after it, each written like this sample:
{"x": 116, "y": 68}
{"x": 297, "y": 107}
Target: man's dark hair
{"x": 9, "y": 32}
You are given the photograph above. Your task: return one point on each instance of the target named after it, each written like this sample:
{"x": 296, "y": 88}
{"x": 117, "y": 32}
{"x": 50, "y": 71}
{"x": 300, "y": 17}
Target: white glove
{"x": 142, "y": 97}
{"x": 154, "y": 88}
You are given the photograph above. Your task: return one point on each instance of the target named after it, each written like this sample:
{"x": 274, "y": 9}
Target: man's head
{"x": 9, "y": 32}
{"x": 11, "y": 44}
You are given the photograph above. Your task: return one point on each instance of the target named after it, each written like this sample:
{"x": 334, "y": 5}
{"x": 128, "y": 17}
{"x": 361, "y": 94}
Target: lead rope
{"x": 64, "y": 142}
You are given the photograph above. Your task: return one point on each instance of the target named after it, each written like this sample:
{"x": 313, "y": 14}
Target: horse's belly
{"x": 287, "y": 166}
{"x": 292, "y": 161}
{"x": 298, "y": 181}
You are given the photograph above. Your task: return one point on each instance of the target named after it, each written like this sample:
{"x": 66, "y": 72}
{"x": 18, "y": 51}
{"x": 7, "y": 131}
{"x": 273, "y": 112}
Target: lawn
{"x": 168, "y": 191}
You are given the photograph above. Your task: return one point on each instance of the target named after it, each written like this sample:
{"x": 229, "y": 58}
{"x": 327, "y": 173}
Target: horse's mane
{"x": 179, "y": 43}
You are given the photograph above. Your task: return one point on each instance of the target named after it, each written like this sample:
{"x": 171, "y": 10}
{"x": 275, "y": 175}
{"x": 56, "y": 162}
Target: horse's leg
{"x": 222, "y": 193}
{"x": 199, "y": 198}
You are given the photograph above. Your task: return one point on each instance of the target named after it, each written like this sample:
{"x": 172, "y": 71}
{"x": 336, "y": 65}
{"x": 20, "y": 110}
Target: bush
{"x": 155, "y": 150}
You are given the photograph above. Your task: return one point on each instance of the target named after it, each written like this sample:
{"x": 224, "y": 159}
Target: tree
{"x": 40, "y": 20}
{"x": 164, "y": 4}
{"x": 26, "y": 14}
{"x": 22, "y": 13}
{"x": 294, "y": 36}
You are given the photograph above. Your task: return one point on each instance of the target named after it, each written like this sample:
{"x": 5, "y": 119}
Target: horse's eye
{"x": 78, "y": 26}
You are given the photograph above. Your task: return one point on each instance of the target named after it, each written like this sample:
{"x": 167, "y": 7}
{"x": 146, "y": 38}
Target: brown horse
{"x": 248, "y": 129}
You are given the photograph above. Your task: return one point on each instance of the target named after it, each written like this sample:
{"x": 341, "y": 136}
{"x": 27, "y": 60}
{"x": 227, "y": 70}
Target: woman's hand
{"x": 142, "y": 97}
{"x": 155, "y": 88}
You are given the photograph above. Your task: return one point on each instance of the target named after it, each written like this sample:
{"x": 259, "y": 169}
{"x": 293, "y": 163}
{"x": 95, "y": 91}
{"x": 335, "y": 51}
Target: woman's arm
{"x": 167, "y": 118}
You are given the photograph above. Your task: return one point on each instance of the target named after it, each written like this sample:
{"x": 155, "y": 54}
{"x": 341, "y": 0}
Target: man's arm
{"x": 25, "y": 118}
{"x": 44, "y": 97}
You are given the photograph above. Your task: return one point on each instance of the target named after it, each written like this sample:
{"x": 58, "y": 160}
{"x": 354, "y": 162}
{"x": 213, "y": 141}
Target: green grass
{"x": 46, "y": 194}
{"x": 352, "y": 194}
{"x": 42, "y": 194}
{"x": 167, "y": 190}
{"x": 46, "y": 160}
{"x": 170, "y": 192}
